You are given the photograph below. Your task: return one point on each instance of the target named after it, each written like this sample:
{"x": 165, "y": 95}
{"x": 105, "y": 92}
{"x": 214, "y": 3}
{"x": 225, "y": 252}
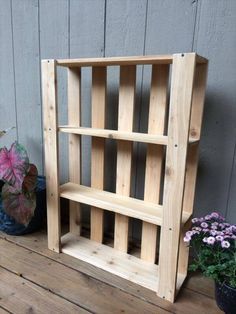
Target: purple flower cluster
{"x": 213, "y": 230}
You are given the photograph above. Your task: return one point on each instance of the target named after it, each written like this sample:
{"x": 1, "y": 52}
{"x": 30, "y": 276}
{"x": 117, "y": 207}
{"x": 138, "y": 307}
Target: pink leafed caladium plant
{"x": 20, "y": 178}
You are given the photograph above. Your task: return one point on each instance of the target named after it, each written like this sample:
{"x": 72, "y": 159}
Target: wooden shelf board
{"x": 116, "y": 262}
{"x": 133, "y": 60}
{"x": 112, "y": 61}
{"x": 131, "y": 207}
{"x": 118, "y": 135}
{"x": 128, "y": 206}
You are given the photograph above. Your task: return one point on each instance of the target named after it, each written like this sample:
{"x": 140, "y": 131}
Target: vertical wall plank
{"x": 154, "y": 159}
{"x": 7, "y": 85}
{"x": 99, "y": 77}
{"x": 215, "y": 40}
{"x": 86, "y": 40}
{"x": 51, "y": 153}
{"x": 74, "y": 117}
{"x": 124, "y": 150}
{"x": 178, "y": 132}
{"x": 54, "y": 43}
{"x": 27, "y": 77}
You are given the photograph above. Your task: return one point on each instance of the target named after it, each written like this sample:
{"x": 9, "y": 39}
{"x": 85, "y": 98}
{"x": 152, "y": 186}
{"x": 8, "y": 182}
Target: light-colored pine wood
{"x": 185, "y": 115}
{"x": 154, "y": 158}
{"x": 99, "y": 75}
{"x": 49, "y": 89}
{"x": 117, "y": 203}
{"x": 117, "y": 135}
{"x": 178, "y": 133}
{"x": 192, "y": 157}
{"x": 124, "y": 151}
{"x": 156, "y": 59}
{"x": 118, "y": 263}
{"x": 74, "y": 107}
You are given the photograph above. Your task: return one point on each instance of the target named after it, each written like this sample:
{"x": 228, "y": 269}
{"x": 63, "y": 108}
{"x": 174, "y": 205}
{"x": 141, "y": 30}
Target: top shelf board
{"x": 112, "y": 61}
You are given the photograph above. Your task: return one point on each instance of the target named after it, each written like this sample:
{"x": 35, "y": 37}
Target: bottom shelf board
{"x": 118, "y": 263}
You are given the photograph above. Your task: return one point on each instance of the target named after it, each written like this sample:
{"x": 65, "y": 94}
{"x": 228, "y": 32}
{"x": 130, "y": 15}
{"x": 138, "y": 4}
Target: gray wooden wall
{"x": 31, "y": 30}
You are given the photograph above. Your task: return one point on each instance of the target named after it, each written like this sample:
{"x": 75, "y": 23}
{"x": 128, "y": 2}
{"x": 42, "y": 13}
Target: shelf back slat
{"x": 99, "y": 75}
{"x": 74, "y": 108}
{"x": 124, "y": 150}
{"x": 154, "y": 158}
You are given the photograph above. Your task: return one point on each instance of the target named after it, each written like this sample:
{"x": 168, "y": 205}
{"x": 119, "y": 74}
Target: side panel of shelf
{"x": 178, "y": 133}
{"x": 51, "y": 153}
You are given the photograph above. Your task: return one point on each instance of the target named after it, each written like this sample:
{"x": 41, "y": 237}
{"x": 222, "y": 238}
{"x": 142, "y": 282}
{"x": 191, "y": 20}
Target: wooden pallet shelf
{"x": 176, "y": 102}
{"x": 113, "y": 202}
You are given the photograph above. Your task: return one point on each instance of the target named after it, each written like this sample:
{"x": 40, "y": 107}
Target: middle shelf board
{"x": 117, "y": 135}
{"x": 124, "y": 205}
{"x": 120, "y": 135}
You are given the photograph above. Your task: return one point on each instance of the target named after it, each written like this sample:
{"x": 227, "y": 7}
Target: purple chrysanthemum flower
{"x": 205, "y": 240}
{"x": 204, "y": 225}
{"x": 208, "y": 217}
{"x": 194, "y": 220}
{"x": 187, "y": 239}
{"x": 219, "y": 238}
{"x": 213, "y": 232}
{"x": 225, "y": 244}
{"x": 211, "y": 240}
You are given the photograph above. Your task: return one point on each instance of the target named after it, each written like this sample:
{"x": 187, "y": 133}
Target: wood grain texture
{"x": 70, "y": 284}
{"x": 178, "y": 133}
{"x": 74, "y": 117}
{"x": 27, "y": 82}
{"x": 99, "y": 79}
{"x": 154, "y": 157}
{"x": 117, "y": 135}
{"x": 124, "y": 151}
{"x": 196, "y": 296}
{"x": 22, "y": 296}
{"x": 51, "y": 153}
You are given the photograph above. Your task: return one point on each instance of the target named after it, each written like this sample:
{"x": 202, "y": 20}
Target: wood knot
{"x": 168, "y": 171}
{"x": 193, "y": 133}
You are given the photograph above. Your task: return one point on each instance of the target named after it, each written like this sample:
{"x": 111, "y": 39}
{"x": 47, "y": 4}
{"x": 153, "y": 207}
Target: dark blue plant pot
{"x": 10, "y": 226}
{"x": 225, "y": 298}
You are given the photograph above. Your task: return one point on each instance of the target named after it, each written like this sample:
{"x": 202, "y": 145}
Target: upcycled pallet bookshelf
{"x": 172, "y": 140}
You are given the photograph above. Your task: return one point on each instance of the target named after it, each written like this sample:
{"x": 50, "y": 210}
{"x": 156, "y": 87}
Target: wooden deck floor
{"x": 36, "y": 280}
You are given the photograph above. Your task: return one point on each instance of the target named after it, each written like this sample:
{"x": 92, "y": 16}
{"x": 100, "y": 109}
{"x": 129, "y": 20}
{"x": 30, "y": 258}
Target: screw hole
{"x": 182, "y": 55}
{"x": 176, "y": 145}
{"x": 170, "y": 229}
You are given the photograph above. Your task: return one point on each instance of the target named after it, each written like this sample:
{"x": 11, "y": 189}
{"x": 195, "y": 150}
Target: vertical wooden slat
{"x": 49, "y": 88}
{"x": 124, "y": 150}
{"x": 74, "y": 107}
{"x": 192, "y": 156}
{"x": 178, "y": 133}
{"x": 154, "y": 159}
{"x": 98, "y": 147}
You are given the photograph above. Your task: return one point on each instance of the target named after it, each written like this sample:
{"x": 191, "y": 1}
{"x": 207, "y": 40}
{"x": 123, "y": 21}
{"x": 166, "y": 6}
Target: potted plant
{"x": 214, "y": 248}
{"x": 22, "y": 192}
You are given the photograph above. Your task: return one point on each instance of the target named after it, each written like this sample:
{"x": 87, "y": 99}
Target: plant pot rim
{"x": 225, "y": 284}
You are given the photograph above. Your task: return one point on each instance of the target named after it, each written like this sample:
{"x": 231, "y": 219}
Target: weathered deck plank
{"x": 18, "y": 295}
{"x": 195, "y": 297}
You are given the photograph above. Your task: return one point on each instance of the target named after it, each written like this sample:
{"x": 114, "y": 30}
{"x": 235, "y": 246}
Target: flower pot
{"x": 225, "y": 298}
{"x": 10, "y": 226}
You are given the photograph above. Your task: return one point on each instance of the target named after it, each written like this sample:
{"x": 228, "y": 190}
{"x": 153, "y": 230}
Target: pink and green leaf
{"x": 30, "y": 180}
{"x": 14, "y": 165}
{"x": 18, "y": 205}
